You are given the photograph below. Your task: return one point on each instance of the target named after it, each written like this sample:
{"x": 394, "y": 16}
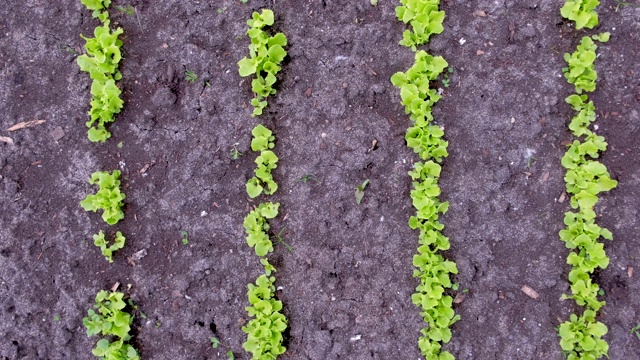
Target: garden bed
{"x": 346, "y": 284}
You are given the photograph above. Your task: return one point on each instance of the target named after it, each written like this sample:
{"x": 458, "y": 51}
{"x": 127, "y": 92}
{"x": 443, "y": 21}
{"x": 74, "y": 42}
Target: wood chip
{"x": 146, "y": 167}
{"x": 630, "y": 271}
{"x": 370, "y": 69}
{"x": 374, "y": 145}
{"x": 501, "y": 295}
{"x": 480, "y": 13}
{"x": 545, "y": 177}
{"x": 530, "y": 292}
{"x": 565, "y": 142}
{"x": 563, "y": 196}
{"x": 6, "y": 139}
{"x": 479, "y": 52}
{"x": 308, "y": 92}
{"x": 26, "y": 124}
{"x": 528, "y": 173}
{"x": 459, "y": 298}
{"x": 115, "y": 286}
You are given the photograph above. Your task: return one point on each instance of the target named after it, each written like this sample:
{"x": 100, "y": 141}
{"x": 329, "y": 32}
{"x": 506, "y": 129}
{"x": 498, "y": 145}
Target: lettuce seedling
{"x": 109, "y": 199}
{"x": 101, "y": 62}
{"x": 581, "y": 337}
{"x": 418, "y": 98}
{"x": 108, "y": 318}
{"x": 264, "y": 331}
{"x": 106, "y": 249}
{"x": 582, "y": 12}
{"x": 581, "y": 68}
{"x": 425, "y": 20}
{"x": 96, "y": 5}
{"x": 265, "y": 55}
{"x": 257, "y": 227}
{"x": 263, "y": 182}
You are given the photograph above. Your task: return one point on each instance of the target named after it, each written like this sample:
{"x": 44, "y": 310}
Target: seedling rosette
{"x": 582, "y": 12}
{"x": 262, "y": 182}
{"x": 265, "y": 55}
{"x": 424, "y": 18}
{"x": 107, "y": 250}
{"x": 109, "y": 199}
{"x": 108, "y": 318}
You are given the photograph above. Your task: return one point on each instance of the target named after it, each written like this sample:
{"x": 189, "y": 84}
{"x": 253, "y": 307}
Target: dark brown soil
{"x": 349, "y": 274}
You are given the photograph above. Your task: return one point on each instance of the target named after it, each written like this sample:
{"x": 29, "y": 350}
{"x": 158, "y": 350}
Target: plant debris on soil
{"x": 346, "y": 284}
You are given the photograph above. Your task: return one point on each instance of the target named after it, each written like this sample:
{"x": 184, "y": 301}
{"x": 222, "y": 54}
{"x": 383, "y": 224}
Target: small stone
{"x": 139, "y": 255}
{"x": 57, "y": 133}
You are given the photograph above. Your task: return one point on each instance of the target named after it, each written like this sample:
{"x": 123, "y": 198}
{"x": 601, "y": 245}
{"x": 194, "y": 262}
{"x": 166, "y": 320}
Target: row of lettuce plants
{"x": 268, "y": 323}
{"x": 426, "y": 139}
{"x": 101, "y": 62}
{"x": 581, "y": 337}
{"x": 109, "y": 317}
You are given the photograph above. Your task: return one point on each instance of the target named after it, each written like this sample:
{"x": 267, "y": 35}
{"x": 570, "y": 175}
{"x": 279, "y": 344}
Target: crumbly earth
{"x": 347, "y": 282}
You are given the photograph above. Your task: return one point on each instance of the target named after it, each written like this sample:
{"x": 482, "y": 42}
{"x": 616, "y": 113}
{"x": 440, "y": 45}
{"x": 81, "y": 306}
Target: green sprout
{"x": 215, "y": 343}
{"x": 129, "y": 10}
{"x": 624, "y": 4}
{"x": 185, "y": 237}
{"x": 446, "y": 81}
{"x": 190, "y": 76}
{"x": 636, "y": 330}
{"x": 235, "y": 153}
{"x": 308, "y": 177}
{"x": 280, "y": 240}
{"x": 530, "y": 161}
{"x": 360, "y": 191}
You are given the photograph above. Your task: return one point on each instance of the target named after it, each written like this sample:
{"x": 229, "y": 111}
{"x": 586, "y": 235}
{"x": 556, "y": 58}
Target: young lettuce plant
{"x": 109, "y": 199}
{"x": 106, "y": 249}
{"x": 581, "y": 337}
{"x": 425, "y": 20}
{"x": 426, "y": 139}
{"x": 101, "y": 62}
{"x": 582, "y": 12}
{"x": 262, "y": 182}
{"x": 109, "y": 319}
{"x": 96, "y": 5}
{"x": 580, "y": 70}
{"x": 264, "y": 331}
{"x": 265, "y": 55}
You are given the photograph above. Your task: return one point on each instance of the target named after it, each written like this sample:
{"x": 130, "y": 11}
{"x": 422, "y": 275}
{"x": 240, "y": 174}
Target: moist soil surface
{"x": 347, "y": 282}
